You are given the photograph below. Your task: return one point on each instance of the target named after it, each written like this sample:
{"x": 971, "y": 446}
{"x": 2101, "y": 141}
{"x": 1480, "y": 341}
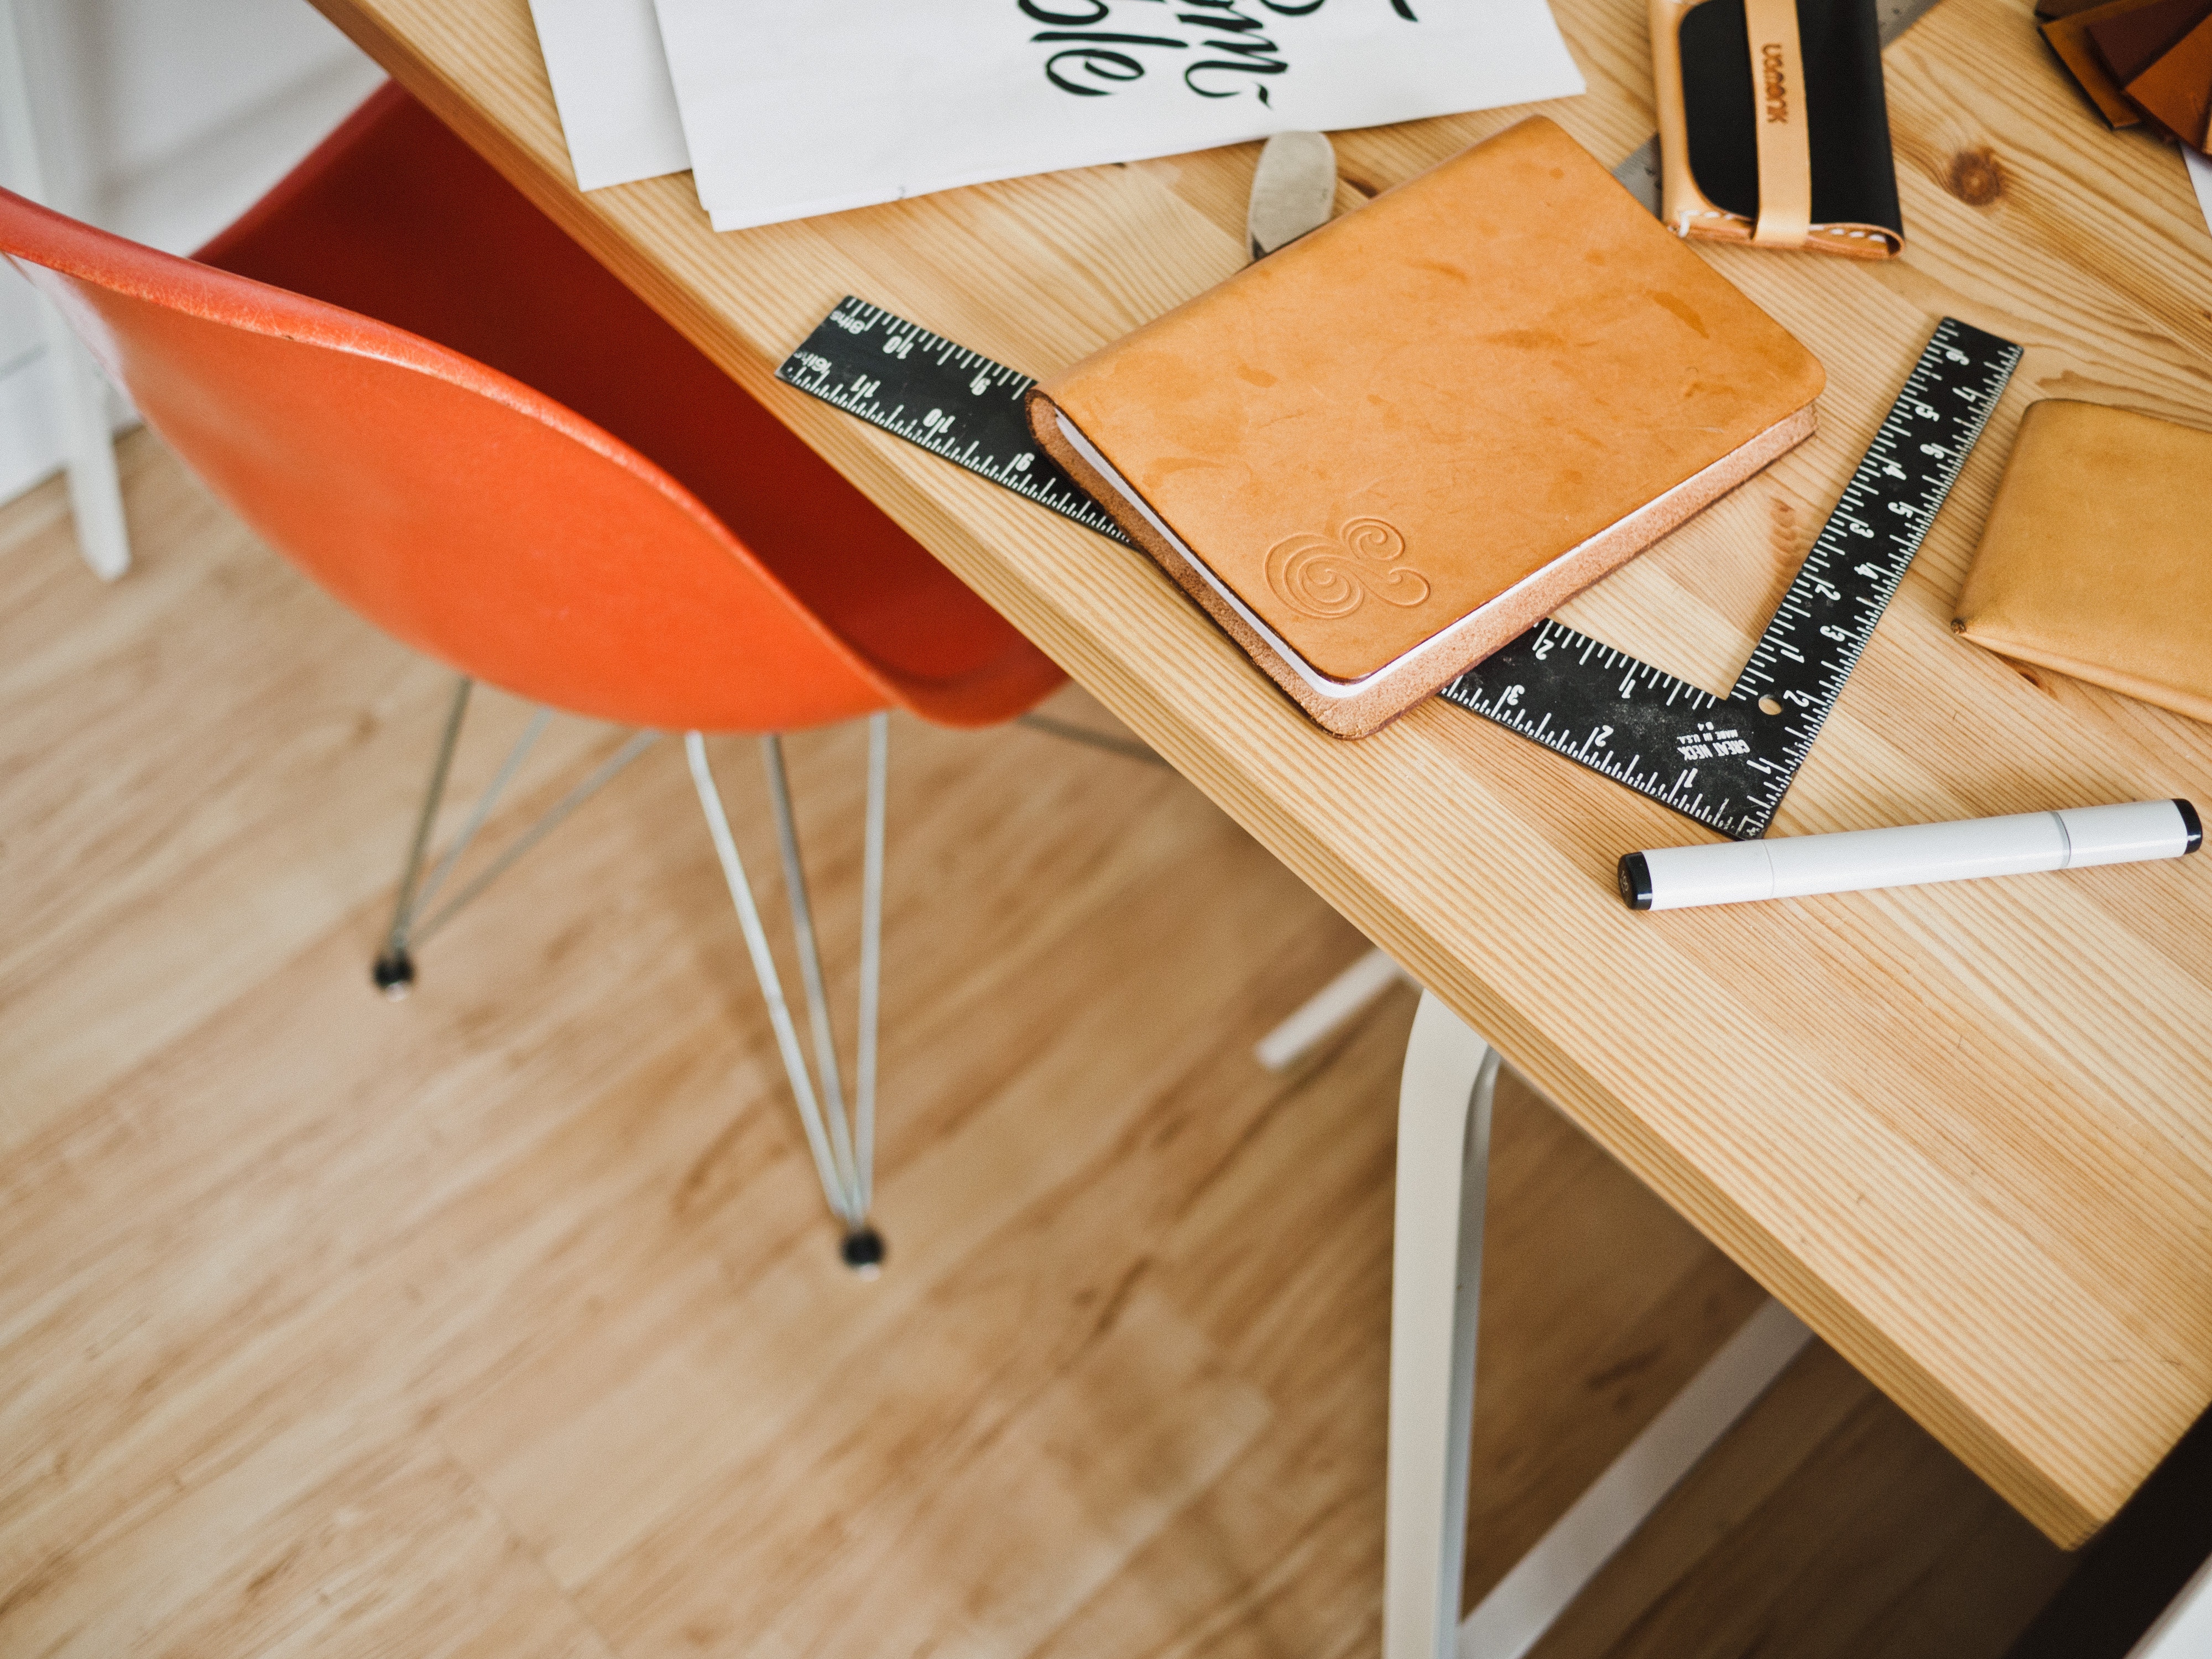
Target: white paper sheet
{"x": 610, "y": 84}
{"x": 2200, "y": 174}
{"x": 795, "y": 107}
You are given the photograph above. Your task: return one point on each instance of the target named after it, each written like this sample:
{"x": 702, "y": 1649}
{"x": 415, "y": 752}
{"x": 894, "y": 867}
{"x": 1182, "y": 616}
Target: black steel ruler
{"x": 951, "y": 401}
{"x": 1725, "y": 761}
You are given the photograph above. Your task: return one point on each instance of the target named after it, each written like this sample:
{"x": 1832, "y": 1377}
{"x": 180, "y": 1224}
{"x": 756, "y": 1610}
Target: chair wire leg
{"x": 482, "y": 811}
{"x": 393, "y": 973}
{"x": 809, "y": 972}
{"x": 636, "y": 745}
{"x": 872, "y": 961}
{"x": 778, "y": 1012}
{"x": 1068, "y": 732}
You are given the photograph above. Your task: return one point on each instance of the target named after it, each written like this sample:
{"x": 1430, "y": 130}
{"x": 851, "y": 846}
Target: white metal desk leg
{"x": 1436, "y": 1286}
{"x": 79, "y": 390}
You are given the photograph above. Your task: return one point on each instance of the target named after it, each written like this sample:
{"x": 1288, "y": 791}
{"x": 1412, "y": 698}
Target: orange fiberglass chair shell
{"x": 408, "y": 379}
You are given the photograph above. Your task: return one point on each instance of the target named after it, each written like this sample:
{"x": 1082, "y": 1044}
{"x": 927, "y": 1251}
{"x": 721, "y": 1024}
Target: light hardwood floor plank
{"x": 506, "y": 1321}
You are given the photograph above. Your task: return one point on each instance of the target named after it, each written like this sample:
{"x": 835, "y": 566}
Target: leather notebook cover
{"x": 1774, "y": 126}
{"x": 1380, "y": 454}
{"x": 2095, "y": 560}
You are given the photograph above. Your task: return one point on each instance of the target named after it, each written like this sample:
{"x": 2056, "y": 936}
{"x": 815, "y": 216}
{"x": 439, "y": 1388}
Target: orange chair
{"x": 409, "y": 381}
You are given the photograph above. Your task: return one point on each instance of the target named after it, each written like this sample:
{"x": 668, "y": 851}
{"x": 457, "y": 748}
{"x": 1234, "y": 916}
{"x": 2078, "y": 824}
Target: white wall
{"x": 161, "y": 120}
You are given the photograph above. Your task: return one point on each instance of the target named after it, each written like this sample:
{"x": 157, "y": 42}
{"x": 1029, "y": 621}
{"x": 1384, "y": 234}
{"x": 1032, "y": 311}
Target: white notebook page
{"x": 610, "y": 84}
{"x": 794, "y": 109}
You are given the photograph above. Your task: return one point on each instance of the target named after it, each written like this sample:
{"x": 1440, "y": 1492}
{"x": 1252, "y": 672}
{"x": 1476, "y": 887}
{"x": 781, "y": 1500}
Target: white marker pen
{"x": 1731, "y": 872}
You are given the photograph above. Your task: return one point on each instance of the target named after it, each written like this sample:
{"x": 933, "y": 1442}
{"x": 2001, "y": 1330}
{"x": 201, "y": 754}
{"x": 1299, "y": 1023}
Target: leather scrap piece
{"x": 2130, "y": 41}
{"x": 2177, "y": 89}
{"x": 2068, "y": 37}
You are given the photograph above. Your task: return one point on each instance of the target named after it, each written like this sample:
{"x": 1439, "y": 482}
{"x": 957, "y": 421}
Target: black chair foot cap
{"x": 394, "y": 974}
{"x": 863, "y": 1252}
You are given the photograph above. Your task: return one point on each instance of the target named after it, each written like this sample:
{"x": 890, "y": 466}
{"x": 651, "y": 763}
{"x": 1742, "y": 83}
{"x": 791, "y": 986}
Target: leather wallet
{"x": 1377, "y": 456}
{"x": 2096, "y": 561}
{"x": 1773, "y": 125}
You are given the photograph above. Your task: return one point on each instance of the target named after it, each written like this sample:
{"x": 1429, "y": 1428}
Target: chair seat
{"x": 396, "y": 218}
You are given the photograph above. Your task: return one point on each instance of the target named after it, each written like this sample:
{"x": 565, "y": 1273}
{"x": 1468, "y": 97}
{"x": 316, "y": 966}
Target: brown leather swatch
{"x": 2130, "y": 41}
{"x": 2177, "y": 88}
{"x": 1403, "y": 439}
{"x": 2069, "y": 38}
{"x": 2095, "y": 560}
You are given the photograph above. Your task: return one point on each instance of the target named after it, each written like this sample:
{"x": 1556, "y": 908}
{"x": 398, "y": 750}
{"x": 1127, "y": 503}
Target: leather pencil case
{"x": 1773, "y": 127}
{"x": 2094, "y": 562}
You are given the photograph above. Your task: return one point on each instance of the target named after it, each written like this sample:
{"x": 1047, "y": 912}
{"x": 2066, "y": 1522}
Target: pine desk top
{"x": 1965, "y": 1132}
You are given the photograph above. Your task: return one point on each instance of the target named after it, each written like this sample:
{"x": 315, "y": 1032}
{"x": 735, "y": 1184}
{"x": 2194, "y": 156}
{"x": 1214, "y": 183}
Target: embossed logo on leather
{"x": 1325, "y": 577}
{"x": 1774, "y": 74}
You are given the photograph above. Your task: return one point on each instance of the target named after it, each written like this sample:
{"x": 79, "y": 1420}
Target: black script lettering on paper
{"x": 1219, "y": 49}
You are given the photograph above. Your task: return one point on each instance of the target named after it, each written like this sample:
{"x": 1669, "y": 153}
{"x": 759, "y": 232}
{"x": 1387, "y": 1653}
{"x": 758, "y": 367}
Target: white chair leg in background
{"x": 842, "y": 1139}
{"x": 1328, "y": 1012}
{"x": 96, "y": 492}
{"x": 78, "y": 387}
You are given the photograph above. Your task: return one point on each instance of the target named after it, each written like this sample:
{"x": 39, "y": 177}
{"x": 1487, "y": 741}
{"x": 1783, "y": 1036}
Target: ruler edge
{"x": 1105, "y": 525}
{"x": 2010, "y": 366}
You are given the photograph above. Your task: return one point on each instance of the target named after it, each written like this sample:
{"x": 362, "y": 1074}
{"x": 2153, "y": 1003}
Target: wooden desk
{"x": 1964, "y": 1132}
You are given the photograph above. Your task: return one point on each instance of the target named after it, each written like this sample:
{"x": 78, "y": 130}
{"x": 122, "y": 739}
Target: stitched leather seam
{"x": 1726, "y": 218}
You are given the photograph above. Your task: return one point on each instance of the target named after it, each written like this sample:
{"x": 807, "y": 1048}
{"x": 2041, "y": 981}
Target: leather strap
{"x": 1785, "y": 157}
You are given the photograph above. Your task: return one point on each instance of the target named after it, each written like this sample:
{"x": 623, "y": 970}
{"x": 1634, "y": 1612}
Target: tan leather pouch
{"x": 1773, "y": 127}
{"x": 2097, "y": 559}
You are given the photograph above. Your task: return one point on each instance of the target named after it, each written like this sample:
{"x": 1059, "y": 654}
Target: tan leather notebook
{"x": 1380, "y": 454}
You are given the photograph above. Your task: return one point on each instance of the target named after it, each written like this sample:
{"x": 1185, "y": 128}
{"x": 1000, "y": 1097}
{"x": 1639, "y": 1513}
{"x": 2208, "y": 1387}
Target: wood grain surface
{"x": 506, "y": 1321}
{"x": 1962, "y": 1131}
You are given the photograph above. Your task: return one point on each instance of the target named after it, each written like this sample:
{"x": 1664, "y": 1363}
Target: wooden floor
{"x": 506, "y": 1321}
